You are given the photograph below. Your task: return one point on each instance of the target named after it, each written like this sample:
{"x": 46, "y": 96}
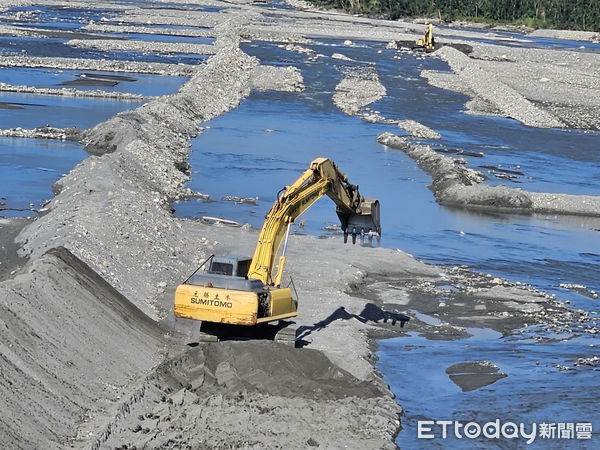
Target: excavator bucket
{"x": 365, "y": 222}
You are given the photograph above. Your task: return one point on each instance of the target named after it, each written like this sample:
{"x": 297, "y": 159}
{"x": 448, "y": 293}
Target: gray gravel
{"x": 193, "y": 32}
{"x": 572, "y": 35}
{"x": 143, "y": 46}
{"x": 92, "y": 214}
{"x": 182, "y": 70}
{"x": 112, "y": 211}
{"x": 486, "y": 85}
{"x": 71, "y": 346}
{"x": 84, "y": 369}
{"x": 70, "y": 92}
{"x": 418, "y": 130}
{"x": 358, "y": 89}
{"x": 540, "y": 88}
{"x": 47, "y": 132}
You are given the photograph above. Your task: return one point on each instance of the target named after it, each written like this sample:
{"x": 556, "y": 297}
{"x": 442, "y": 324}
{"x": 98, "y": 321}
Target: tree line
{"x": 562, "y": 14}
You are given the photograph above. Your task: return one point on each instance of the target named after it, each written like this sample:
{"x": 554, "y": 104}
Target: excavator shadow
{"x": 370, "y": 313}
{"x": 283, "y": 332}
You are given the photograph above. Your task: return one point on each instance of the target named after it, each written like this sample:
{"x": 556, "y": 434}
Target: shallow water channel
{"x": 269, "y": 140}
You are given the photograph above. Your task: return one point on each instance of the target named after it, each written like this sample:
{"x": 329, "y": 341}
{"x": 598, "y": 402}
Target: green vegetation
{"x": 563, "y": 14}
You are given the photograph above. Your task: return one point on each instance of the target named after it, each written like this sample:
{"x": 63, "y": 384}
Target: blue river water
{"x": 29, "y": 167}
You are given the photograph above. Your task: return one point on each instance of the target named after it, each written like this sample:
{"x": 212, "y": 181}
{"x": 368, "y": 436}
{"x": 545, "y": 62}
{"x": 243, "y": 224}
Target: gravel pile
{"x": 71, "y": 346}
{"x": 296, "y": 394}
{"x": 418, "y": 130}
{"x": 268, "y": 78}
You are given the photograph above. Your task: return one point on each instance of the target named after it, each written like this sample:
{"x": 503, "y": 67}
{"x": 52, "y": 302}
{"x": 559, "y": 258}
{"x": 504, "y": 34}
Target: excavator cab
{"x": 234, "y": 265}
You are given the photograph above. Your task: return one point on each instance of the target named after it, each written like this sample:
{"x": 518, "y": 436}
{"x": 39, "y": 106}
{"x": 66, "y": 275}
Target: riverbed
{"x": 264, "y": 144}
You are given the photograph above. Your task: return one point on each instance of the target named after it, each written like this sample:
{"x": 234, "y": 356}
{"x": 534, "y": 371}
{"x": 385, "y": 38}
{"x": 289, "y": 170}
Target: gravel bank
{"x": 540, "y": 88}
{"x": 104, "y": 204}
{"x": 192, "y": 32}
{"x": 60, "y": 134}
{"x": 454, "y": 184}
{"x": 418, "y": 130}
{"x": 70, "y": 92}
{"x": 358, "y": 89}
{"x": 567, "y": 34}
{"x": 143, "y": 46}
{"x": 178, "y": 70}
{"x": 475, "y": 80}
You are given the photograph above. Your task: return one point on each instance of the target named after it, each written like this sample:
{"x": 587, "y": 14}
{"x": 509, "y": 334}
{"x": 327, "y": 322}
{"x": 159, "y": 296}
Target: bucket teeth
{"x": 366, "y": 222}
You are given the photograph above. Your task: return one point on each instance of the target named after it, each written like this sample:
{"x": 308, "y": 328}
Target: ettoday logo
{"x": 442, "y": 429}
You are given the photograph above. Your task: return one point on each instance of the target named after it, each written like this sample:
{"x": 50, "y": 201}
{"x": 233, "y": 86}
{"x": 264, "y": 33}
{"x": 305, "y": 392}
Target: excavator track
{"x": 286, "y": 335}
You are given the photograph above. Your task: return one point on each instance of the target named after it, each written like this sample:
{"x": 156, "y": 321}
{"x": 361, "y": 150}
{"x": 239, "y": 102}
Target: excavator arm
{"x": 357, "y": 215}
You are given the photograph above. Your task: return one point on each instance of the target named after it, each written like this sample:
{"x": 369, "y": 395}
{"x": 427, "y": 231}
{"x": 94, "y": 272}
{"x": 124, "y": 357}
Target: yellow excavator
{"x": 428, "y": 41}
{"x": 235, "y": 290}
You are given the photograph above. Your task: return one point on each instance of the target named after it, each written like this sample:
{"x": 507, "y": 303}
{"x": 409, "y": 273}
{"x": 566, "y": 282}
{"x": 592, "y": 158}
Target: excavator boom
{"x": 357, "y": 214}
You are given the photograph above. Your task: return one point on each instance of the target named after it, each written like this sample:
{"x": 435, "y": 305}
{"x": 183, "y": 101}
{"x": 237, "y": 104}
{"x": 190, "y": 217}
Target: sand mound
{"x": 67, "y": 338}
{"x": 248, "y": 394}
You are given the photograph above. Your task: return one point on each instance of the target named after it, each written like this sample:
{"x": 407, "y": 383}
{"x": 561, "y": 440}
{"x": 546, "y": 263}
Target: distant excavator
{"x": 428, "y": 41}
{"x": 243, "y": 291}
